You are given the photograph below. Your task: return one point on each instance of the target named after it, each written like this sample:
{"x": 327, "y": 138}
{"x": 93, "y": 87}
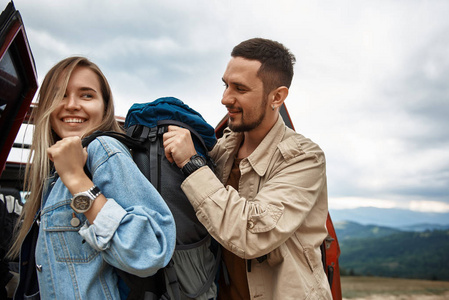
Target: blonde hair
{"x": 39, "y": 167}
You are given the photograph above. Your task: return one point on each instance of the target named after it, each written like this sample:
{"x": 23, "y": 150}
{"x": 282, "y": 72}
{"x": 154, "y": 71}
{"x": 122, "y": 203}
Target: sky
{"x": 371, "y": 83}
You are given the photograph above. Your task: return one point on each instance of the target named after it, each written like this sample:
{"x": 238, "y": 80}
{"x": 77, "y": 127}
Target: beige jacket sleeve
{"x": 278, "y": 190}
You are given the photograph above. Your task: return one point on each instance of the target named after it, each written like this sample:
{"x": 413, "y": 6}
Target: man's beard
{"x": 245, "y": 127}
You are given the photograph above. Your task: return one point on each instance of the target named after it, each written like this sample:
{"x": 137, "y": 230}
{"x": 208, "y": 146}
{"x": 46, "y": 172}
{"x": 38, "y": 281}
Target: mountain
{"x": 347, "y": 230}
{"x": 387, "y": 252}
{"x": 395, "y": 218}
{"x": 424, "y": 227}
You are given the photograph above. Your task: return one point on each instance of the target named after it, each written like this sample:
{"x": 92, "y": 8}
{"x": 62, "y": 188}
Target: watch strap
{"x": 94, "y": 192}
{"x": 196, "y": 162}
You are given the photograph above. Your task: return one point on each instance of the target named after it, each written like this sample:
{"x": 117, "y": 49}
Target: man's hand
{"x": 178, "y": 145}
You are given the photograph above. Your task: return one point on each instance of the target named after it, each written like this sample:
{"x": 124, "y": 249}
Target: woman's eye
{"x": 87, "y": 96}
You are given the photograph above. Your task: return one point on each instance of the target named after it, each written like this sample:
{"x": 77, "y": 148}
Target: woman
{"x": 85, "y": 225}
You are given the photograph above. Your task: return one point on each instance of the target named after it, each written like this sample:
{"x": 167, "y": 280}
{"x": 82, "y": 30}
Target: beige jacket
{"x": 280, "y": 210}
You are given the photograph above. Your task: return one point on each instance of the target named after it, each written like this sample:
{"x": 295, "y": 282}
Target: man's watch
{"x": 82, "y": 202}
{"x": 196, "y": 162}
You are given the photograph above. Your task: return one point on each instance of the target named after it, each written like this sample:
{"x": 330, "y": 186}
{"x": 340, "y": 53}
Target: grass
{"x": 359, "y": 287}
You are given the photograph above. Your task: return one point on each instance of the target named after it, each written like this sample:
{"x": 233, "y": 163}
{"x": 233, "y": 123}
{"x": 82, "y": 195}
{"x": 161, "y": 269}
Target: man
{"x": 267, "y": 203}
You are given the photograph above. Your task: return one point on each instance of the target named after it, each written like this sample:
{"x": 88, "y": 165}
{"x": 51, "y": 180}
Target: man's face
{"x": 244, "y": 95}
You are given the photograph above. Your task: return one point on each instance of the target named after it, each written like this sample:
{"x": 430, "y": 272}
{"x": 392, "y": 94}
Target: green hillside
{"x": 351, "y": 230}
{"x": 420, "y": 255}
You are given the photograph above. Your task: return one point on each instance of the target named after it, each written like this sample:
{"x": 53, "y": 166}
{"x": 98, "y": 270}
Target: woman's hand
{"x": 69, "y": 159}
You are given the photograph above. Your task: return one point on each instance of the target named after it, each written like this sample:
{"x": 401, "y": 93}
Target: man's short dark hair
{"x": 277, "y": 61}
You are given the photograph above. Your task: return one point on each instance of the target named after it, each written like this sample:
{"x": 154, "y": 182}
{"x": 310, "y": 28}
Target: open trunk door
{"x": 18, "y": 78}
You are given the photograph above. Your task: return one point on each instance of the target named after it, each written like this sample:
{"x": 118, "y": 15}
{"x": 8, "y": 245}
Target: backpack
{"x": 10, "y": 209}
{"x": 330, "y": 253}
{"x": 194, "y": 264}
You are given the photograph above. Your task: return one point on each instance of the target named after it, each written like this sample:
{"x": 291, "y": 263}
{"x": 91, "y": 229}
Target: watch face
{"x": 198, "y": 161}
{"x": 81, "y": 203}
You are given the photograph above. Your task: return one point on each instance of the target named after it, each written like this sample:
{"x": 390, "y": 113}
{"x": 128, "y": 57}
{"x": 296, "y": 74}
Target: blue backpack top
{"x": 170, "y": 108}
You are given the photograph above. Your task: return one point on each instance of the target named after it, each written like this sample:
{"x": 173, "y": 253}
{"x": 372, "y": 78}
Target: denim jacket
{"x": 134, "y": 231}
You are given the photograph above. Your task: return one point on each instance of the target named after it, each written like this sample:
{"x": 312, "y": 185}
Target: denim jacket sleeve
{"x": 135, "y": 230}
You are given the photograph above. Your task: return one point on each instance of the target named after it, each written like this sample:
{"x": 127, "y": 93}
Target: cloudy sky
{"x": 371, "y": 83}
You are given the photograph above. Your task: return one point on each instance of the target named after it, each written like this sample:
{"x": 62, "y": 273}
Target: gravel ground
{"x": 444, "y": 296}
{"x": 379, "y": 288}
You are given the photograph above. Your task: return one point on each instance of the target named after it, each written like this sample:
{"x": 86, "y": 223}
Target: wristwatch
{"x": 196, "y": 162}
{"x": 82, "y": 202}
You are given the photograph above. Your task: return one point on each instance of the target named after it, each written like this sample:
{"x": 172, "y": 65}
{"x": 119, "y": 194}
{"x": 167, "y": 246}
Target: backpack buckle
{"x": 152, "y": 135}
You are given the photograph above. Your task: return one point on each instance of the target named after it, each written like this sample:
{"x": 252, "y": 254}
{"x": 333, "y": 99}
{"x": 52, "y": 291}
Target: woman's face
{"x": 82, "y": 107}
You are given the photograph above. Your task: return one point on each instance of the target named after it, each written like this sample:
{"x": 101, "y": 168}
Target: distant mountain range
{"x": 420, "y": 253}
{"x": 347, "y": 230}
{"x": 395, "y": 218}
{"x": 424, "y": 227}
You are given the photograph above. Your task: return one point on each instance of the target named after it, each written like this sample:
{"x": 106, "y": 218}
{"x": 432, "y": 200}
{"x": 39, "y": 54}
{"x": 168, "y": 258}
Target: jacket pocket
{"x": 67, "y": 244}
{"x": 276, "y": 256}
{"x": 263, "y": 218}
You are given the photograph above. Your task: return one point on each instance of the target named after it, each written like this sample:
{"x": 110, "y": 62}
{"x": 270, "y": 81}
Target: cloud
{"x": 429, "y": 206}
{"x": 343, "y": 203}
{"x": 370, "y": 87}
{"x": 354, "y": 202}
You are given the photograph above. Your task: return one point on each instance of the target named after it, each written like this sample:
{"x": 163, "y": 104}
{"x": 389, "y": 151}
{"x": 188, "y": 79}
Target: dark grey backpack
{"x": 194, "y": 265}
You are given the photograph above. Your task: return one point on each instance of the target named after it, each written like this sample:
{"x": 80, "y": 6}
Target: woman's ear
{"x": 278, "y": 96}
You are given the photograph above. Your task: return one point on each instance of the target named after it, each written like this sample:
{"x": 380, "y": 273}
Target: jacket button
{"x": 39, "y": 268}
{"x": 250, "y": 224}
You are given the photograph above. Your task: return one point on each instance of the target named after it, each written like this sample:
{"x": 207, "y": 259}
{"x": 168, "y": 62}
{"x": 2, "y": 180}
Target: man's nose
{"x": 228, "y": 98}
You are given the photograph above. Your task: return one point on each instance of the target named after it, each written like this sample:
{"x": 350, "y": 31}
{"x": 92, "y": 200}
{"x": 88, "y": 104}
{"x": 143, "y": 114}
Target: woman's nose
{"x": 72, "y": 102}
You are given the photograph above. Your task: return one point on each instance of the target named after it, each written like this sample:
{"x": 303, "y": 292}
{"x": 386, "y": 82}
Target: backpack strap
{"x": 155, "y": 158}
{"x": 195, "y": 136}
{"x": 128, "y": 141}
{"x": 181, "y": 124}
{"x": 173, "y": 280}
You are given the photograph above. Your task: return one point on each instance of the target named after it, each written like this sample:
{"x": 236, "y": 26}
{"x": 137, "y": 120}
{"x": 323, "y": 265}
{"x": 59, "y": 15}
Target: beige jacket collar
{"x": 260, "y": 158}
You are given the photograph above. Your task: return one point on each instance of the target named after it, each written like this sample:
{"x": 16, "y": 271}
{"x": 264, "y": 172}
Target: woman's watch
{"x": 82, "y": 202}
{"x": 196, "y": 162}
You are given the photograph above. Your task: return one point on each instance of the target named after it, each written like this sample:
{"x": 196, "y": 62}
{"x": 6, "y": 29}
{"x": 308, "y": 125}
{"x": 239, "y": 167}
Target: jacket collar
{"x": 261, "y": 156}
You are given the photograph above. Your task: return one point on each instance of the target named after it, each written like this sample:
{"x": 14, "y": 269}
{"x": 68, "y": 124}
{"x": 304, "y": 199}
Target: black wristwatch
{"x": 196, "y": 162}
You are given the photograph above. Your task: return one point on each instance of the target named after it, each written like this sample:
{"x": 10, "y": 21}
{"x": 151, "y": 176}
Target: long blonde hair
{"x": 38, "y": 167}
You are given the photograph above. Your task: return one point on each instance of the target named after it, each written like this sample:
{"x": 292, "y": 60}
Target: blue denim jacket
{"x": 134, "y": 231}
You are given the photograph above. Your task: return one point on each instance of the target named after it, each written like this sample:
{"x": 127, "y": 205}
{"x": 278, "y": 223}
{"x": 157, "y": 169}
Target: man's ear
{"x": 278, "y": 96}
